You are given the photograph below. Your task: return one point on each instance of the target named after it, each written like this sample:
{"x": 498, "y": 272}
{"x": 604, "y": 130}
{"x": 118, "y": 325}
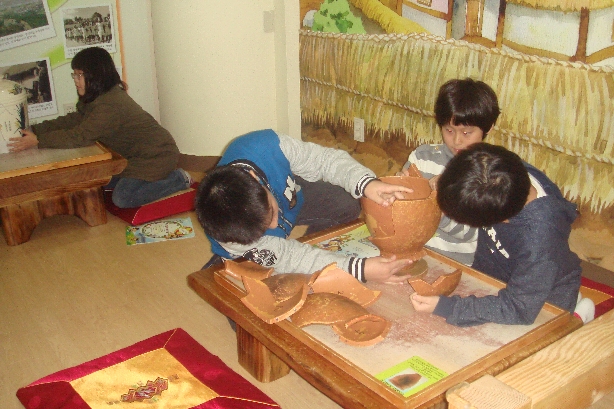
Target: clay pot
{"x": 403, "y": 228}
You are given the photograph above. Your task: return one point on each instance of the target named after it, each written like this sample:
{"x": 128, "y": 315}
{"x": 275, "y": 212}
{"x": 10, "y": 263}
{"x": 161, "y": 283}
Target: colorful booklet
{"x": 411, "y": 376}
{"x": 354, "y": 243}
{"x": 159, "y": 230}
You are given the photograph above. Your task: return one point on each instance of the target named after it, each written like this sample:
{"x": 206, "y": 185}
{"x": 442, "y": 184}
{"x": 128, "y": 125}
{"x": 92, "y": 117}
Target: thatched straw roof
{"x": 564, "y": 5}
{"x": 559, "y": 116}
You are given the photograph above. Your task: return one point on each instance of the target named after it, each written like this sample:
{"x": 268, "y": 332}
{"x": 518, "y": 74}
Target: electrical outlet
{"x": 359, "y": 129}
{"x": 68, "y": 108}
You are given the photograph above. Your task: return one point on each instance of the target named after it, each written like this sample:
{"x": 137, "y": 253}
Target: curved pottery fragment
{"x": 403, "y": 228}
{"x": 262, "y": 301}
{"x": 351, "y": 321}
{"x": 363, "y": 331}
{"x": 443, "y": 285}
{"x": 246, "y": 268}
{"x": 285, "y": 286}
{"x": 332, "y": 279}
{"x": 327, "y": 309}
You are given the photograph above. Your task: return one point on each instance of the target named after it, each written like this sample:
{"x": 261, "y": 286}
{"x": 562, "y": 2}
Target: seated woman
{"x": 106, "y": 113}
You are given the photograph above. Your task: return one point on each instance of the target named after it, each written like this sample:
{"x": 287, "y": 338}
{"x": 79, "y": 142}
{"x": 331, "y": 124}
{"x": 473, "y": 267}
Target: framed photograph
{"x": 85, "y": 27}
{"x": 24, "y": 22}
{"x": 34, "y": 76}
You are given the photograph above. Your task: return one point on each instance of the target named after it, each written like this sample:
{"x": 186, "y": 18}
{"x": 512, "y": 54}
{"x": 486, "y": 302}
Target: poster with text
{"x": 85, "y": 27}
{"x": 24, "y": 22}
{"x": 33, "y": 76}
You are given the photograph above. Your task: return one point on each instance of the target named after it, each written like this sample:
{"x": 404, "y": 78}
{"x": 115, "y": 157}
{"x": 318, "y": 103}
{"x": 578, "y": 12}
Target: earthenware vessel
{"x": 403, "y": 228}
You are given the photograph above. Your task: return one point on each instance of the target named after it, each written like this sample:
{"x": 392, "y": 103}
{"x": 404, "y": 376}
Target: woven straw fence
{"x": 558, "y": 116}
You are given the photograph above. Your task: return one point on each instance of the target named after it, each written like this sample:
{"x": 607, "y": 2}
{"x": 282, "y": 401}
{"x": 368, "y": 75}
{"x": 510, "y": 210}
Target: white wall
{"x": 207, "y": 70}
{"x": 138, "y": 53}
{"x": 220, "y": 75}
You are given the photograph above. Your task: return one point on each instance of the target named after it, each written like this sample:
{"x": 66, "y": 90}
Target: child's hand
{"x": 423, "y": 303}
{"x": 27, "y": 141}
{"x": 382, "y": 270}
{"x": 385, "y": 193}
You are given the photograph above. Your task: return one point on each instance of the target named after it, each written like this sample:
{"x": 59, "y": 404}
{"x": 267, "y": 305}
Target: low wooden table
{"x": 345, "y": 374}
{"x": 41, "y": 183}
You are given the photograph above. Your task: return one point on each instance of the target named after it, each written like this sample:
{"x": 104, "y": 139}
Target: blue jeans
{"x": 128, "y": 192}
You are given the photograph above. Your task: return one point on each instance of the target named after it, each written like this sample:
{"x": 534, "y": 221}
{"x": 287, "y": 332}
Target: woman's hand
{"x": 27, "y": 141}
{"x": 382, "y": 269}
{"x": 385, "y": 193}
{"x": 423, "y": 303}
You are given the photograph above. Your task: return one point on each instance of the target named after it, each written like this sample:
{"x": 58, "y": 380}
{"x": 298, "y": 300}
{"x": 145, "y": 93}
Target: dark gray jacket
{"x": 118, "y": 122}
{"x": 531, "y": 254}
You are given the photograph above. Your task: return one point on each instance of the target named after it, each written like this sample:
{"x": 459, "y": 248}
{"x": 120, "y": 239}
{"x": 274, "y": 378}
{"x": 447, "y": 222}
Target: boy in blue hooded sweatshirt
{"x": 523, "y": 226}
{"x": 266, "y": 183}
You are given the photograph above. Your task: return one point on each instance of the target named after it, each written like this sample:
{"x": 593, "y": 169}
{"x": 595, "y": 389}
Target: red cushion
{"x": 168, "y": 206}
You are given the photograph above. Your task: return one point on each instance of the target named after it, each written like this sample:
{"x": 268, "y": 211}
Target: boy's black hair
{"x": 467, "y": 102}
{"x": 483, "y": 185}
{"x": 99, "y": 72}
{"x": 232, "y": 206}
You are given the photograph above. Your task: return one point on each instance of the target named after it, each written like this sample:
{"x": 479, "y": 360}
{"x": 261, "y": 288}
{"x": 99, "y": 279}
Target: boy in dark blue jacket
{"x": 524, "y": 224}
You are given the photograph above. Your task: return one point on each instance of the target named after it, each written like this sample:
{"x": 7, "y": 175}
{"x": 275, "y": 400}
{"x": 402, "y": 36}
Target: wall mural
{"x": 566, "y": 30}
{"x": 551, "y": 63}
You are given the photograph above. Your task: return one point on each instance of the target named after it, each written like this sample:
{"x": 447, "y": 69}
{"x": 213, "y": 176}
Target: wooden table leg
{"x": 20, "y": 220}
{"x": 88, "y": 204}
{"x": 259, "y": 361}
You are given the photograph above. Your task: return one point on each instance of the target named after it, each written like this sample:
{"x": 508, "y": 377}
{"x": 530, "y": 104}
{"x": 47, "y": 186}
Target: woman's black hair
{"x": 99, "y": 72}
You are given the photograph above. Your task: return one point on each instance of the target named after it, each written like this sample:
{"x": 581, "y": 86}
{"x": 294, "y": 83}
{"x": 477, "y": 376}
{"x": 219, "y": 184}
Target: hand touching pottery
{"x": 384, "y": 193}
{"x": 424, "y": 304}
{"x": 382, "y": 269}
{"x": 27, "y": 141}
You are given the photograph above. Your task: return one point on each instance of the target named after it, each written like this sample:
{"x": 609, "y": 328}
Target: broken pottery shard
{"x": 332, "y": 279}
{"x": 261, "y": 301}
{"x": 246, "y": 268}
{"x": 352, "y": 322}
{"x": 414, "y": 171}
{"x": 363, "y": 331}
{"x": 327, "y": 308}
{"x": 285, "y": 286}
{"x": 443, "y": 285}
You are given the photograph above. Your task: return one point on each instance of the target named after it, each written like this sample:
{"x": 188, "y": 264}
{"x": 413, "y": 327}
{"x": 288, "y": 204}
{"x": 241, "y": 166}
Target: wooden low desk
{"x": 346, "y": 374}
{"x": 40, "y": 183}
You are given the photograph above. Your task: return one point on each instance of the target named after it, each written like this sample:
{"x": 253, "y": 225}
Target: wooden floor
{"x": 74, "y": 293}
